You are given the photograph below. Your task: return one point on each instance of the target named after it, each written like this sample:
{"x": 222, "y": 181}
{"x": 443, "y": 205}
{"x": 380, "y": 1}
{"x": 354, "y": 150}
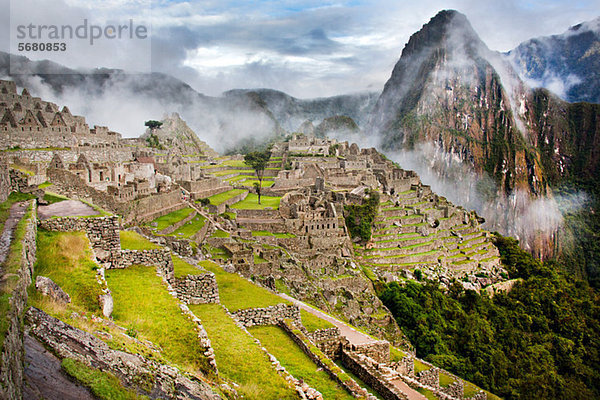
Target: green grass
{"x": 131, "y": 240}
{"x": 52, "y": 198}
{"x": 229, "y": 215}
{"x": 191, "y": 227}
{"x": 396, "y": 355}
{"x": 419, "y": 366}
{"x": 239, "y": 358}
{"x": 445, "y": 380}
{"x": 6, "y": 205}
{"x": 221, "y": 198}
{"x": 244, "y": 172}
{"x": 297, "y": 362}
{"x": 313, "y": 323}
{"x": 220, "y": 234}
{"x": 237, "y": 293}
{"x": 66, "y": 258}
{"x": 216, "y": 252}
{"x": 183, "y": 268}
{"x": 427, "y": 393}
{"x": 22, "y": 169}
{"x": 143, "y": 304}
{"x": 258, "y": 259}
{"x": 103, "y": 385}
{"x": 264, "y": 183}
{"x": 235, "y": 163}
{"x": 251, "y": 202}
{"x": 45, "y": 185}
{"x": 276, "y": 234}
{"x": 171, "y": 218}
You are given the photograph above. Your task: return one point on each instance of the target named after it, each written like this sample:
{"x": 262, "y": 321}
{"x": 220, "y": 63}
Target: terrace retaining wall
{"x": 13, "y": 349}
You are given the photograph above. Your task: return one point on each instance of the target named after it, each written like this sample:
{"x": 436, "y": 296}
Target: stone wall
{"x": 93, "y": 154}
{"x": 430, "y": 377}
{"x": 5, "y": 187}
{"x": 103, "y": 233}
{"x": 271, "y": 315}
{"x": 378, "y": 351}
{"x": 180, "y": 246}
{"x": 152, "y": 207}
{"x": 197, "y": 289}
{"x": 371, "y": 376}
{"x": 160, "y": 381}
{"x": 221, "y": 208}
{"x": 328, "y": 340}
{"x": 159, "y": 258}
{"x": 13, "y": 351}
{"x": 172, "y": 228}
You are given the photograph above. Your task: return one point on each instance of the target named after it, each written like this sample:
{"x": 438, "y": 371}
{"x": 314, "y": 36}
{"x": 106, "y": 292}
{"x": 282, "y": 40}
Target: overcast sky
{"x": 305, "y": 48}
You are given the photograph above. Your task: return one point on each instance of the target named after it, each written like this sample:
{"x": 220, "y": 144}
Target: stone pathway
{"x": 44, "y": 378}
{"x": 16, "y": 212}
{"x": 410, "y": 393}
{"x": 66, "y": 208}
{"x": 353, "y": 336}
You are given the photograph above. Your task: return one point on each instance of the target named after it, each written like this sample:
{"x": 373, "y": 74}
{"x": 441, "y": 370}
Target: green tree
{"x": 258, "y": 161}
{"x": 360, "y": 218}
{"x": 153, "y": 124}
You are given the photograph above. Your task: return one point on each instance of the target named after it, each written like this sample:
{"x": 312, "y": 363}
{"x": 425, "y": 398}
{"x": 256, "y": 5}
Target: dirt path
{"x": 44, "y": 378}
{"x": 67, "y": 208}
{"x": 353, "y": 336}
{"x": 16, "y": 212}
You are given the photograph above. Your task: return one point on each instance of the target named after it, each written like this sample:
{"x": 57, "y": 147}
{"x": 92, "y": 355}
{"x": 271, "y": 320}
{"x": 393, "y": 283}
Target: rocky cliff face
{"x": 567, "y": 64}
{"x": 452, "y": 100}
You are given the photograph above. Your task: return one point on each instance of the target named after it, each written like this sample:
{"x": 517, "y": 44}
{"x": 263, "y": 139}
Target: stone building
{"x": 30, "y": 122}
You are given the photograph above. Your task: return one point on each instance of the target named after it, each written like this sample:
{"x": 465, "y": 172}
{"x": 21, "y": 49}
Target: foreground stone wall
{"x": 159, "y": 380}
{"x": 378, "y": 351}
{"x": 197, "y": 289}
{"x": 13, "y": 351}
{"x": 4, "y": 180}
{"x": 329, "y": 341}
{"x": 271, "y": 315}
{"x": 103, "y": 233}
{"x": 371, "y": 376}
{"x": 159, "y": 258}
{"x": 325, "y": 363}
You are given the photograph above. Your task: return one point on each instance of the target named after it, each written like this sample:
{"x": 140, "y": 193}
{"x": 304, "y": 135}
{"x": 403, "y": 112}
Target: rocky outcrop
{"x": 49, "y": 288}
{"x": 146, "y": 376}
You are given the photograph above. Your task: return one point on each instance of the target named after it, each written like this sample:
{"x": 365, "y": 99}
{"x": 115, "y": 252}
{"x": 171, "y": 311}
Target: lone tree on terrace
{"x": 258, "y": 161}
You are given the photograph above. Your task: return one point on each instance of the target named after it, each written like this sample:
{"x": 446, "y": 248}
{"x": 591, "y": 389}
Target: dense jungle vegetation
{"x": 540, "y": 341}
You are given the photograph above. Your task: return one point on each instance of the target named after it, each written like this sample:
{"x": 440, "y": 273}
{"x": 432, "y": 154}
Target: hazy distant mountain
{"x": 567, "y": 64}
{"x": 291, "y": 112}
